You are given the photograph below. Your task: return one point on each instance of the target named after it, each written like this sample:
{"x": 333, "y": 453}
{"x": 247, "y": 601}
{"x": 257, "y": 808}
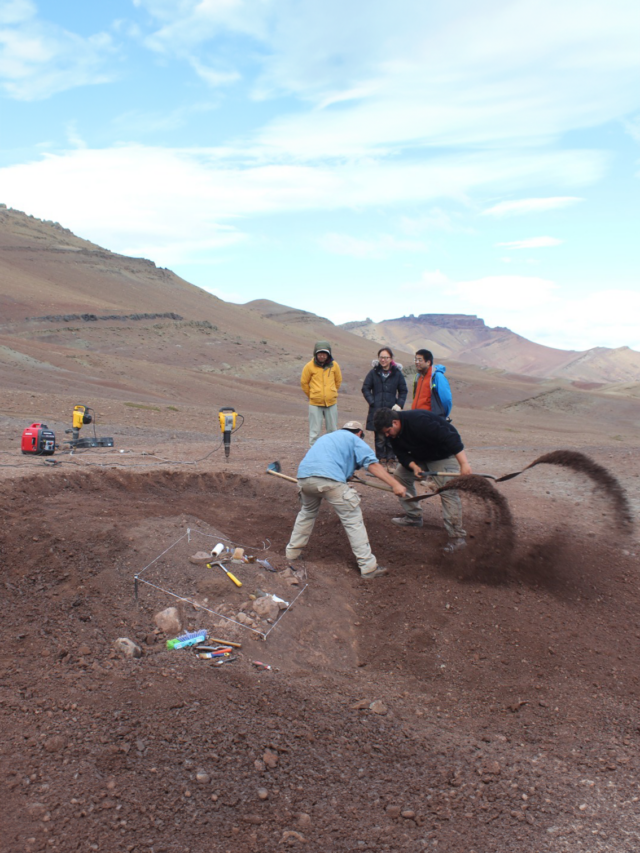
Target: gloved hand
{"x": 396, "y": 408}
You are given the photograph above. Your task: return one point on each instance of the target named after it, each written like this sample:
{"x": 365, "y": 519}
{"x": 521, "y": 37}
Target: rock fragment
{"x": 270, "y": 759}
{"x": 127, "y": 647}
{"x": 169, "y": 621}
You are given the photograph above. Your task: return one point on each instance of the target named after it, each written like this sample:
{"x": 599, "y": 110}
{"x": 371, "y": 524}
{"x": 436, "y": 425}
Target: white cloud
{"x": 509, "y": 293}
{"x": 17, "y": 11}
{"x": 532, "y": 243}
{"x": 377, "y": 247}
{"x": 187, "y": 24}
{"x": 530, "y": 205}
{"x": 145, "y": 195}
{"x": 39, "y": 59}
{"x": 435, "y": 219}
{"x": 429, "y": 280}
{"x": 422, "y": 75}
{"x": 632, "y": 126}
{"x": 214, "y": 77}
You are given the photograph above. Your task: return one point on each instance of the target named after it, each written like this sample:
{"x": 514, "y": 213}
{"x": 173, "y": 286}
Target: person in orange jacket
{"x": 321, "y": 379}
{"x": 431, "y": 390}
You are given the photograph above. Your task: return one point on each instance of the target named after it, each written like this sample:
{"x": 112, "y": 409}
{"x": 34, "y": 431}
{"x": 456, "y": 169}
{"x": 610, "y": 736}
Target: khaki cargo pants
{"x": 451, "y": 503}
{"x": 346, "y": 503}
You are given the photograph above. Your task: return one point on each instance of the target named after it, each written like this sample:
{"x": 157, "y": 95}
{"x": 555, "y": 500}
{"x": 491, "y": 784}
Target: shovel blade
{"x": 508, "y": 477}
{"x": 275, "y": 466}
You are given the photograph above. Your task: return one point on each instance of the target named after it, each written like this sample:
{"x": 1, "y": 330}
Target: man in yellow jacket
{"x": 321, "y": 378}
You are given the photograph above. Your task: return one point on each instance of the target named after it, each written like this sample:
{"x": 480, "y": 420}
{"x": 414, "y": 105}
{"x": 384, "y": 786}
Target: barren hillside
{"x": 466, "y": 338}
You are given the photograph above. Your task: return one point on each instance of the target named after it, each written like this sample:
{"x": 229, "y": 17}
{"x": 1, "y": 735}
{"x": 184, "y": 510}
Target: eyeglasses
{"x": 384, "y": 358}
{"x": 420, "y": 361}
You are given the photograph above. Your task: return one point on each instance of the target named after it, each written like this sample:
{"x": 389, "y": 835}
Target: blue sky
{"x": 360, "y": 159}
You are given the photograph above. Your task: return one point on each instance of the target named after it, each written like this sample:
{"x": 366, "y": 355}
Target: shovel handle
{"x": 450, "y": 474}
{"x": 282, "y": 476}
{"x": 380, "y": 486}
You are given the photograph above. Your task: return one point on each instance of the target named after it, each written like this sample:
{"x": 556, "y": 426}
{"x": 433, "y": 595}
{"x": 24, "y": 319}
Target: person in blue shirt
{"x": 323, "y": 473}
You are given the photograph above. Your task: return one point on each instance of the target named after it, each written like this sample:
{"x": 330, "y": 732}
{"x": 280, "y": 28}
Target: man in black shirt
{"x": 423, "y": 441}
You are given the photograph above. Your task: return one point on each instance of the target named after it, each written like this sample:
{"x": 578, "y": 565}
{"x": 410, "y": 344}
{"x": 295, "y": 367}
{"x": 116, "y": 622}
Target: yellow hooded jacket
{"x": 321, "y": 384}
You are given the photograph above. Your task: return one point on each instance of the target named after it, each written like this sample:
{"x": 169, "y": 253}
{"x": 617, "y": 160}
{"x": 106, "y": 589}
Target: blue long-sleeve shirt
{"x": 336, "y": 456}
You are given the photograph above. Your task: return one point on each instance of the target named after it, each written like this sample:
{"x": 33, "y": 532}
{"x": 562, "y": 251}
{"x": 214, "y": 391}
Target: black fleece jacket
{"x": 425, "y": 437}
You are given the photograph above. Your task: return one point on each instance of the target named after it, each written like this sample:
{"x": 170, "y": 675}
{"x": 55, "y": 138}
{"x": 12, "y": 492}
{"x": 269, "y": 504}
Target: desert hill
{"x": 79, "y": 320}
{"x": 466, "y": 338}
{"x": 75, "y": 316}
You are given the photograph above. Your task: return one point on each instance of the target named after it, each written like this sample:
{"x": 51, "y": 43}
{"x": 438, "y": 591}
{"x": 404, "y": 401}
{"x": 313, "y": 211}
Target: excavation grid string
{"x": 196, "y": 605}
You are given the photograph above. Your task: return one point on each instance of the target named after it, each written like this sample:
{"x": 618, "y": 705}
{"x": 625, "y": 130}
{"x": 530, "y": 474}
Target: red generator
{"x": 39, "y": 439}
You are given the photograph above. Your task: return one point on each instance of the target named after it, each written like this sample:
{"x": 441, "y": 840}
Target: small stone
{"x": 263, "y": 794}
{"x": 214, "y": 798}
{"x": 55, "y": 743}
{"x": 491, "y": 768}
{"x": 84, "y": 650}
{"x": 378, "y": 707}
{"x": 360, "y": 705}
{"x": 304, "y": 820}
{"x": 127, "y": 647}
{"x": 408, "y": 813}
{"x": 393, "y": 811}
{"x": 270, "y": 759}
{"x": 290, "y": 836}
{"x": 169, "y": 621}
{"x": 202, "y": 777}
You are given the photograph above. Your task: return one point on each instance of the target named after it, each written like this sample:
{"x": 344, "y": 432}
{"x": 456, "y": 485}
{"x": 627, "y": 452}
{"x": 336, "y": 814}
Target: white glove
{"x": 396, "y": 408}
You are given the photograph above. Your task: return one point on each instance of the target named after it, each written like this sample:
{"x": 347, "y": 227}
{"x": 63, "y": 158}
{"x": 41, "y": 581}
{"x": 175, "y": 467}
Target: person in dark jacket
{"x": 423, "y": 441}
{"x": 384, "y": 388}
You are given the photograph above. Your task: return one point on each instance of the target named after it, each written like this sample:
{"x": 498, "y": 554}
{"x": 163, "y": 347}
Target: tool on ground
{"x": 226, "y": 571}
{"x": 39, "y": 440}
{"x": 226, "y": 643}
{"x": 260, "y": 665}
{"x": 213, "y": 655}
{"x": 221, "y": 661}
{"x": 192, "y": 638}
{"x": 82, "y": 416}
{"x": 228, "y": 418}
{"x": 216, "y": 648}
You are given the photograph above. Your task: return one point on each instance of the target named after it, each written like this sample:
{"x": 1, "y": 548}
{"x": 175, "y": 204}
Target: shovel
{"x": 275, "y": 469}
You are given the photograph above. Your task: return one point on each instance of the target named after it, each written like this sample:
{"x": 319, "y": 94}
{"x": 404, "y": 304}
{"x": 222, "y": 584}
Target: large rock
{"x": 266, "y": 607}
{"x": 169, "y": 621}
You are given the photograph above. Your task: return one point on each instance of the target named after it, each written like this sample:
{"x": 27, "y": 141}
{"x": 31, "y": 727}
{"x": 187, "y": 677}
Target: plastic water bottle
{"x": 189, "y": 639}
